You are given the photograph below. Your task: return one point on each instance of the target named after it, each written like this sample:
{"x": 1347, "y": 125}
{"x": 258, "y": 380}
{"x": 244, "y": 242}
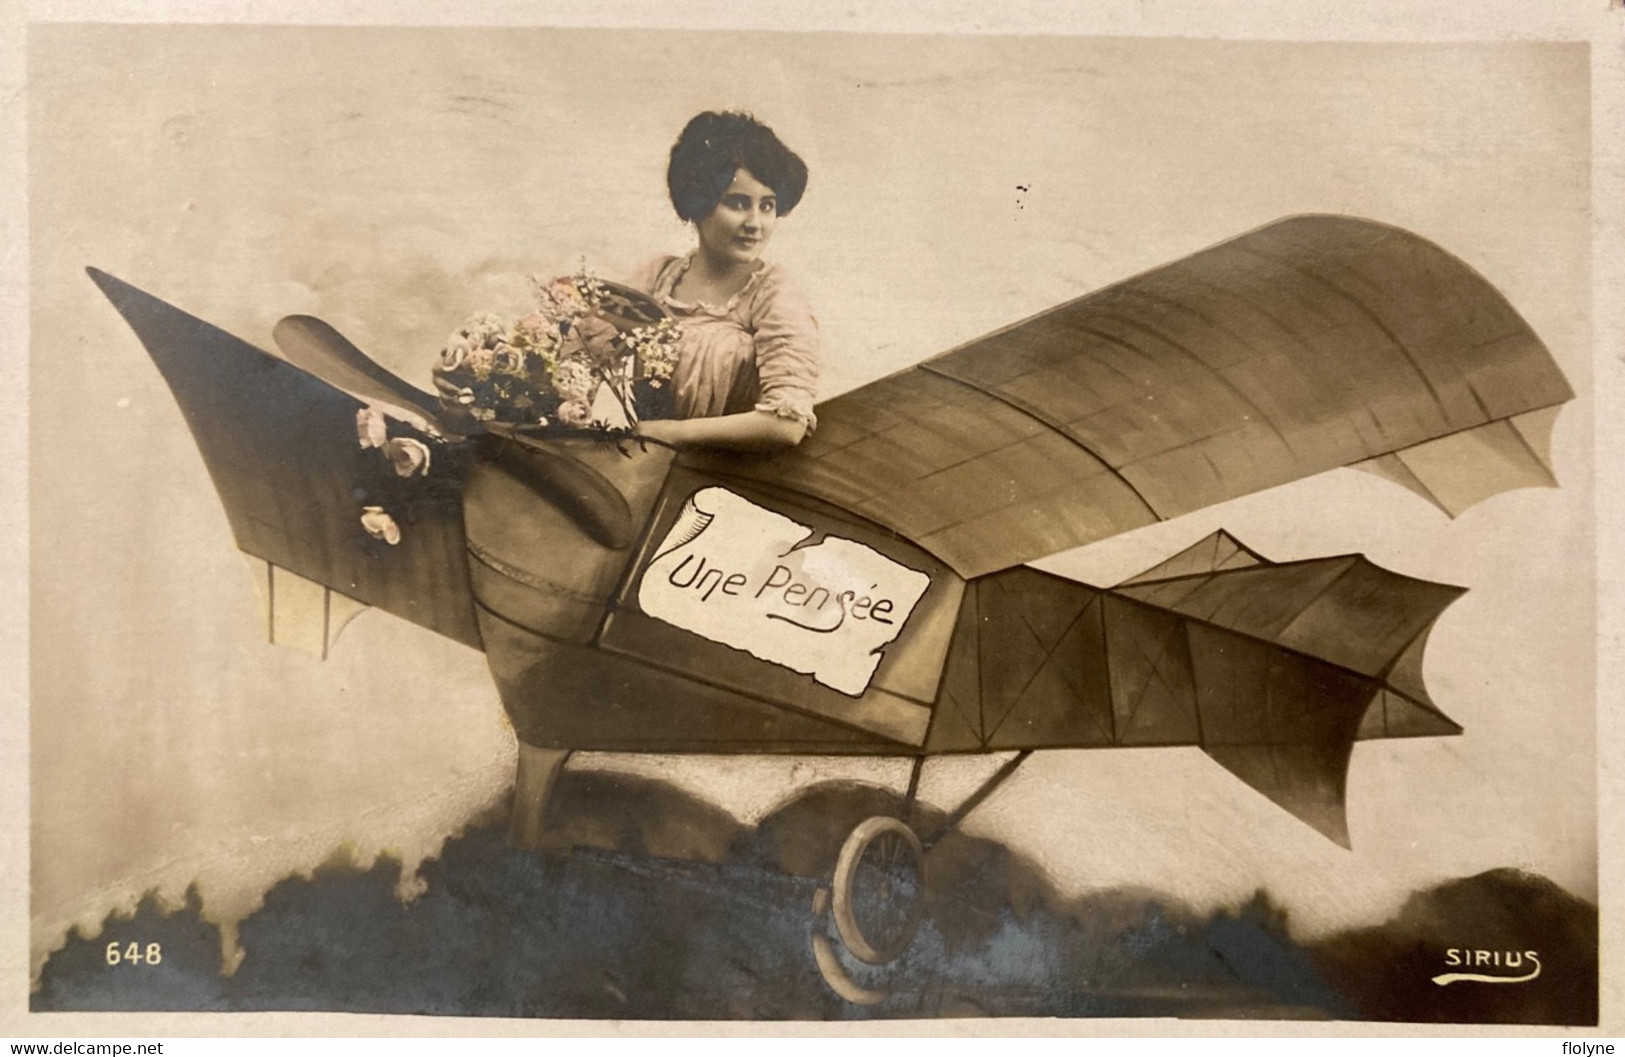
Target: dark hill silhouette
{"x": 1498, "y": 911}
{"x": 656, "y": 905}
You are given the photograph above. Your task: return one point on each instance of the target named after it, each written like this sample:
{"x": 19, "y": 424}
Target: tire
{"x": 879, "y": 890}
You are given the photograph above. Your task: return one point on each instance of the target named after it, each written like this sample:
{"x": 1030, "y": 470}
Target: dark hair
{"x": 710, "y": 149}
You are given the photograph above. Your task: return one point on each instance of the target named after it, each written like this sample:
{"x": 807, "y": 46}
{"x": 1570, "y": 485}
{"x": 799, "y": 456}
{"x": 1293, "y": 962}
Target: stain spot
{"x": 180, "y": 130}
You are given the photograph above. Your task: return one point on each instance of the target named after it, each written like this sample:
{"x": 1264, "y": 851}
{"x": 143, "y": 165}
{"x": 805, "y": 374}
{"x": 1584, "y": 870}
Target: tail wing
{"x": 1275, "y": 670}
{"x": 1294, "y": 662}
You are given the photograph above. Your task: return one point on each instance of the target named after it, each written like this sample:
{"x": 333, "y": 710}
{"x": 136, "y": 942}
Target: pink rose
{"x": 536, "y": 329}
{"x": 481, "y": 362}
{"x": 379, "y": 525}
{"x": 408, "y": 456}
{"x": 505, "y": 359}
{"x": 565, "y": 297}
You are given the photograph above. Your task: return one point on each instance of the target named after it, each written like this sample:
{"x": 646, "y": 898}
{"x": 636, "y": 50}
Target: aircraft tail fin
{"x": 1295, "y": 661}
{"x": 1274, "y": 669}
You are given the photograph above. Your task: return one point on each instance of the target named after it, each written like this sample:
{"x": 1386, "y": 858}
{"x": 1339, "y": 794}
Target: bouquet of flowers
{"x": 538, "y": 376}
{"x": 543, "y": 372}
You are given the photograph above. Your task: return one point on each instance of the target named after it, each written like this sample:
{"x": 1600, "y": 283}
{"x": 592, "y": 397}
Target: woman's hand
{"x": 448, "y": 391}
{"x": 454, "y": 403}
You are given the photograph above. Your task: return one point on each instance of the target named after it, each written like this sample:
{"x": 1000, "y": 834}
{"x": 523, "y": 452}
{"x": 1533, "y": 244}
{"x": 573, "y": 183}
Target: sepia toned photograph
{"x": 698, "y": 525}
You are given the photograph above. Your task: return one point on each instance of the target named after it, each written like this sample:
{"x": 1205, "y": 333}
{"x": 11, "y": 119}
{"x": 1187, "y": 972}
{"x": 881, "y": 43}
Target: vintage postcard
{"x": 719, "y": 524}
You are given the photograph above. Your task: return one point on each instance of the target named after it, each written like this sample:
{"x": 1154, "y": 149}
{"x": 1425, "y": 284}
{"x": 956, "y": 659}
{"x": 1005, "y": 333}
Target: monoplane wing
{"x": 1313, "y": 343}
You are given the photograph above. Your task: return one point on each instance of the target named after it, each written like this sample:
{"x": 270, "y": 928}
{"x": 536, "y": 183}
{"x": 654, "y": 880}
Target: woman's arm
{"x": 746, "y": 431}
{"x": 786, "y": 340}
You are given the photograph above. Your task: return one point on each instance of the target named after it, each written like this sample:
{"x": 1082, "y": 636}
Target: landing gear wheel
{"x": 829, "y": 963}
{"x": 879, "y": 890}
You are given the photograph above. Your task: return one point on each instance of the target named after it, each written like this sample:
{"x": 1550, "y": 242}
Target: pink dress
{"x": 759, "y": 351}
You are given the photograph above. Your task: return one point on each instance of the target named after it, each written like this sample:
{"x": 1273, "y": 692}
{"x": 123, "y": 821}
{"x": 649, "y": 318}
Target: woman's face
{"x": 737, "y": 229}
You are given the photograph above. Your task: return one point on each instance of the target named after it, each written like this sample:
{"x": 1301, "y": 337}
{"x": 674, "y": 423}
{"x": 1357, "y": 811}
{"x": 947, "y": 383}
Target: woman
{"x": 746, "y": 374}
{"x": 747, "y": 368}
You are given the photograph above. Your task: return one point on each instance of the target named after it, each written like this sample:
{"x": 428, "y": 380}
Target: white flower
{"x": 379, "y": 525}
{"x": 574, "y": 413}
{"x": 485, "y": 326}
{"x": 408, "y": 456}
{"x": 573, "y": 380}
{"x": 371, "y": 427}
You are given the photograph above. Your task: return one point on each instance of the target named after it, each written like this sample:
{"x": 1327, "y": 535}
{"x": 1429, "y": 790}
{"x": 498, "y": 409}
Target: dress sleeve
{"x": 786, "y": 335}
{"x": 646, "y": 275}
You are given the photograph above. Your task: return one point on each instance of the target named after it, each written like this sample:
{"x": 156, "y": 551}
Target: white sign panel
{"x": 744, "y": 576}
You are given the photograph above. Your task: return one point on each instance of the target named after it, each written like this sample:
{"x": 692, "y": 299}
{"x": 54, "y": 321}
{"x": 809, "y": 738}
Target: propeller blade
{"x": 314, "y": 346}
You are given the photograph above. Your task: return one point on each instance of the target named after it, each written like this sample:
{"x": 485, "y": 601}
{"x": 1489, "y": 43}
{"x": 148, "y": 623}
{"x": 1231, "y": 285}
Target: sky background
{"x": 392, "y": 181}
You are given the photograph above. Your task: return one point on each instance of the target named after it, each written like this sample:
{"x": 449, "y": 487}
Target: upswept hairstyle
{"x": 712, "y": 146}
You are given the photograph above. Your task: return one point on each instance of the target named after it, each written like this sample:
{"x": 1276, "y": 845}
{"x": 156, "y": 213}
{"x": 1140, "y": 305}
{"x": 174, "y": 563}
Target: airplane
{"x": 866, "y": 592}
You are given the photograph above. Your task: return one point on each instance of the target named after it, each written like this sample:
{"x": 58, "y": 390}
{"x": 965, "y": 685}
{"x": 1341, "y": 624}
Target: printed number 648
{"x": 134, "y": 953}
